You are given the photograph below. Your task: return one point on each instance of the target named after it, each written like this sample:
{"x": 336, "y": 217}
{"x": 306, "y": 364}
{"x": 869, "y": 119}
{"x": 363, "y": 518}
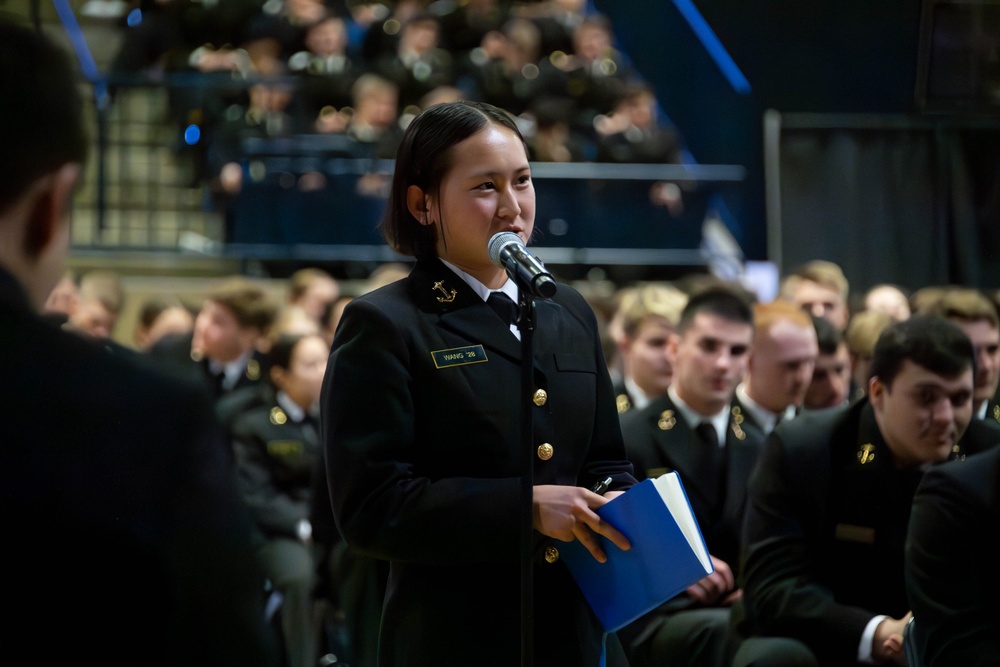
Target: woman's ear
{"x": 418, "y": 205}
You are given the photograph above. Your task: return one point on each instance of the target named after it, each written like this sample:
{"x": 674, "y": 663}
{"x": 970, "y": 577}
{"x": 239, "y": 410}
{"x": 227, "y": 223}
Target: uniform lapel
{"x": 439, "y": 291}
{"x": 678, "y": 445}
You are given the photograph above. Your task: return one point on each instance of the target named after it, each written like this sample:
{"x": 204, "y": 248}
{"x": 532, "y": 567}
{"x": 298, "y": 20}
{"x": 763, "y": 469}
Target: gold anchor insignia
{"x": 448, "y": 296}
{"x": 867, "y": 453}
{"x": 996, "y": 412}
{"x": 253, "y": 370}
{"x": 624, "y": 405}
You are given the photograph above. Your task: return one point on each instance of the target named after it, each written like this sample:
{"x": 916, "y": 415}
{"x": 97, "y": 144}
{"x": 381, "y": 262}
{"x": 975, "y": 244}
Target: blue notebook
{"x": 668, "y": 553}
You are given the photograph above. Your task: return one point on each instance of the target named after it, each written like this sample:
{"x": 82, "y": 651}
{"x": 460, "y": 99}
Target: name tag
{"x": 459, "y": 356}
{"x": 860, "y": 534}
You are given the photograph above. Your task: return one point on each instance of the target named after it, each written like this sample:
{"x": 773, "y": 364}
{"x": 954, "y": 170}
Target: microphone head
{"x": 498, "y": 242}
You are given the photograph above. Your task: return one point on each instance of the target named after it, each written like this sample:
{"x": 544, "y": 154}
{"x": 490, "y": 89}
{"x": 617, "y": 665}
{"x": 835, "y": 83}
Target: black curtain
{"x": 910, "y": 203}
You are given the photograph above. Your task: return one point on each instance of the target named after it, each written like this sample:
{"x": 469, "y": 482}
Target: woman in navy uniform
{"x": 421, "y": 412}
{"x": 277, "y": 454}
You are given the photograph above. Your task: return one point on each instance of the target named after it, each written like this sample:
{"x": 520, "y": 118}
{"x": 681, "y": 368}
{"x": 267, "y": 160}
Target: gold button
{"x": 545, "y": 451}
{"x": 278, "y": 416}
{"x": 540, "y": 397}
{"x": 551, "y": 554}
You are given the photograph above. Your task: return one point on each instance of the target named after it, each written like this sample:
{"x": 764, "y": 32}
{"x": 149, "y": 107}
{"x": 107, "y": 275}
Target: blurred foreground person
{"x": 952, "y": 579}
{"x": 132, "y": 544}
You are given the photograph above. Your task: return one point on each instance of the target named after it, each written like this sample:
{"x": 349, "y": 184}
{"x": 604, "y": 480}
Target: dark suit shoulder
{"x": 230, "y": 406}
{"x": 981, "y": 435}
{"x": 637, "y": 421}
{"x": 978, "y": 474}
{"x": 260, "y": 419}
{"x": 173, "y": 347}
{"x": 810, "y": 440}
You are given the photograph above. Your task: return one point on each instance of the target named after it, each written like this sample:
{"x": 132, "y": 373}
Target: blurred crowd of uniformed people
{"x": 694, "y": 348}
{"x": 346, "y": 77}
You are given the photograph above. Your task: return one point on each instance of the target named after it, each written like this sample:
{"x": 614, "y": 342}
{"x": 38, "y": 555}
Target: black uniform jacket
{"x": 276, "y": 458}
{"x": 422, "y": 405}
{"x": 825, "y": 528}
{"x": 952, "y": 578}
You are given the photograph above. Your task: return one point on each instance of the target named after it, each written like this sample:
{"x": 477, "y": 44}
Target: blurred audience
{"x": 100, "y": 299}
{"x": 418, "y": 64}
{"x": 780, "y": 368}
{"x": 820, "y": 288}
{"x": 161, "y": 316}
{"x": 313, "y": 290}
{"x": 888, "y": 298}
{"x": 324, "y": 69}
{"x": 646, "y": 317}
{"x": 862, "y": 333}
{"x": 503, "y": 69}
{"x": 831, "y": 380}
{"x": 278, "y": 452}
{"x": 62, "y": 300}
{"x": 221, "y": 349}
{"x": 976, "y": 315}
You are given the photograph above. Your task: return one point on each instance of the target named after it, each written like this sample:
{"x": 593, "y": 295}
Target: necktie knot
{"x": 706, "y": 431}
{"x": 217, "y": 379}
{"x": 503, "y": 306}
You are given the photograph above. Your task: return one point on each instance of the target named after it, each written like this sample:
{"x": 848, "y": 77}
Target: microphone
{"x": 508, "y": 252}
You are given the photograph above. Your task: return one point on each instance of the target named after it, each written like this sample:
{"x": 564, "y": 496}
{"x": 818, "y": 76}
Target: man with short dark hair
{"x": 693, "y": 429}
{"x": 830, "y": 386}
{"x": 829, "y": 503}
{"x": 127, "y": 542}
{"x": 221, "y": 350}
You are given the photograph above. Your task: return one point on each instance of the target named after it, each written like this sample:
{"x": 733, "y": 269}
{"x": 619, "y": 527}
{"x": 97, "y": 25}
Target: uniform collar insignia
{"x": 449, "y": 294}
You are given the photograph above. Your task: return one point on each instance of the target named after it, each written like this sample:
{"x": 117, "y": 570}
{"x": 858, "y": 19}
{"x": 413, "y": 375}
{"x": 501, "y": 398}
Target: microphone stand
{"x": 526, "y": 325}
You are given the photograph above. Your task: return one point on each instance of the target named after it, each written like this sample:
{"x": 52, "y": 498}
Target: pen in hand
{"x": 602, "y": 486}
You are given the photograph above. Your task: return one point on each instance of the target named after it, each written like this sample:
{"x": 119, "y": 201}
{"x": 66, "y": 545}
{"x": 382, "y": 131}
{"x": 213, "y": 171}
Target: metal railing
{"x": 146, "y": 191}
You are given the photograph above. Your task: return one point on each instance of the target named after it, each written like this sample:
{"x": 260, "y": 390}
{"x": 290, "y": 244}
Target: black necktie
{"x": 217, "y": 379}
{"x": 503, "y": 306}
{"x": 708, "y": 435}
{"x": 709, "y": 466}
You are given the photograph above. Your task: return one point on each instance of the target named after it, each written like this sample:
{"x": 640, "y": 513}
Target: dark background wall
{"x": 817, "y": 56}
